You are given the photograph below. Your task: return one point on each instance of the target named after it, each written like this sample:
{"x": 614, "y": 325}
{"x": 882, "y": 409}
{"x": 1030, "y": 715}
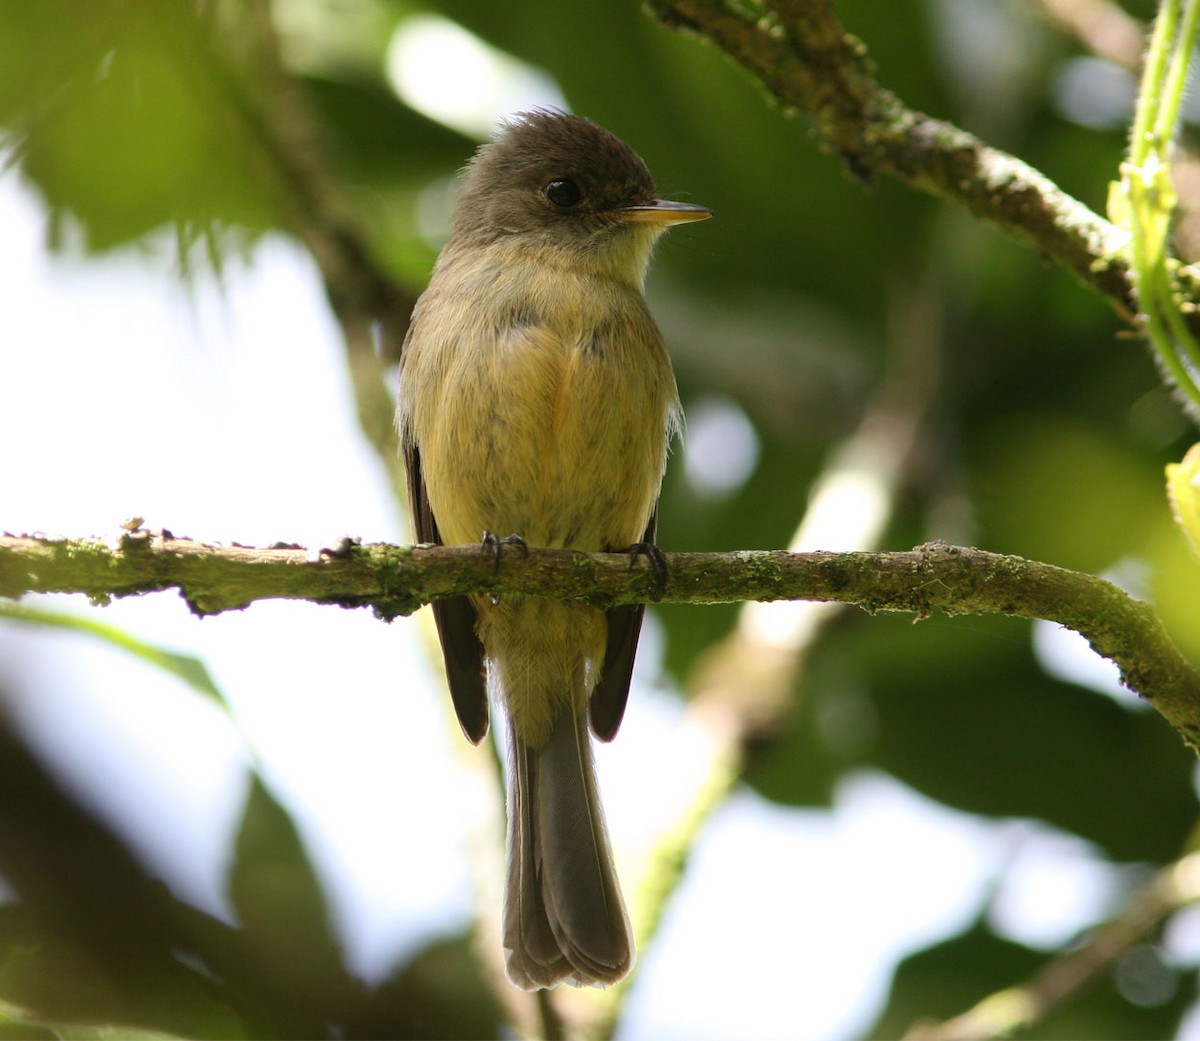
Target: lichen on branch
{"x": 396, "y": 580}
{"x": 806, "y": 61}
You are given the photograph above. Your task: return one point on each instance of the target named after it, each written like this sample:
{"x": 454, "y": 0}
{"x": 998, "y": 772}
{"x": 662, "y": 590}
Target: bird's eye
{"x": 564, "y": 194}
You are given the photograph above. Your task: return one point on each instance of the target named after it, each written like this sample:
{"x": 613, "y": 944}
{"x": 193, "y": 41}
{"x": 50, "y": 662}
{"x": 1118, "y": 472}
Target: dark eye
{"x": 563, "y": 194}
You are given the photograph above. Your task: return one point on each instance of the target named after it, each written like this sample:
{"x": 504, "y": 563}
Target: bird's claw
{"x": 491, "y": 543}
{"x": 657, "y": 561}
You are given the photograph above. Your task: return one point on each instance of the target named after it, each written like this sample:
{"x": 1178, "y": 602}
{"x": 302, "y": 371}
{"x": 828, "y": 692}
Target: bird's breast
{"x": 551, "y": 420}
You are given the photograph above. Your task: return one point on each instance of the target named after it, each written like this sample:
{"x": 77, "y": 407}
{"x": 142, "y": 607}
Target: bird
{"x": 537, "y": 399}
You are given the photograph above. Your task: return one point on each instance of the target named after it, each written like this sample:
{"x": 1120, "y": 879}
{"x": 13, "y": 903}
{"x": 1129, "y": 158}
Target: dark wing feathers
{"x": 455, "y": 618}
{"x": 606, "y": 707}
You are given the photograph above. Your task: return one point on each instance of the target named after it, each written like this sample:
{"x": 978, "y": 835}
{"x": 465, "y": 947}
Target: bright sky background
{"x": 224, "y": 413}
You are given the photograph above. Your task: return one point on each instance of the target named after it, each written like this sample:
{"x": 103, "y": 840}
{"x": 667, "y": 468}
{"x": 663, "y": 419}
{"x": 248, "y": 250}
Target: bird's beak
{"x": 663, "y": 212}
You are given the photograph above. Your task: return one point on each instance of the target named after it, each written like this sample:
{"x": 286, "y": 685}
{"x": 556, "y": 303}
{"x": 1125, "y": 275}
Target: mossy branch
{"x": 806, "y": 61}
{"x": 396, "y": 580}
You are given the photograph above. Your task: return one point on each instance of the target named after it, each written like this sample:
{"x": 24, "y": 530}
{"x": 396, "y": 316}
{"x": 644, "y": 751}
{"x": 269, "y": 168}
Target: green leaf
{"x": 185, "y": 667}
{"x": 128, "y": 120}
{"x": 1183, "y": 491}
{"x": 90, "y": 938}
{"x": 16, "y": 1022}
{"x": 441, "y": 993}
{"x": 293, "y": 958}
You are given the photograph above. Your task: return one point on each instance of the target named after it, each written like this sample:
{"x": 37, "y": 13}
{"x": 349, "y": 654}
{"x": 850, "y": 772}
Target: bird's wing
{"x": 606, "y": 707}
{"x": 455, "y": 618}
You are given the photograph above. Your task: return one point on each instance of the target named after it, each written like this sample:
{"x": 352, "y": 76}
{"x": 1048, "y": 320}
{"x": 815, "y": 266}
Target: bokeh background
{"x": 266, "y": 823}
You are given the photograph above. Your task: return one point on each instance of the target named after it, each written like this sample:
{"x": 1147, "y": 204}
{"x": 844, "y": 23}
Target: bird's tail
{"x": 564, "y": 918}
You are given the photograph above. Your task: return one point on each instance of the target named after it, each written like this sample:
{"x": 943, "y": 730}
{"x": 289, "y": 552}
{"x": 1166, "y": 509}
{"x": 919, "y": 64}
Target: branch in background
{"x": 1101, "y": 26}
{"x": 807, "y": 62}
{"x": 395, "y": 580}
{"x": 371, "y": 307}
{"x": 1018, "y": 1008}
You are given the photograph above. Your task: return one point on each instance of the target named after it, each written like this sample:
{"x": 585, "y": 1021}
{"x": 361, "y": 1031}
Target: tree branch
{"x": 807, "y": 62}
{"x": 1018, "y": 1008}
{"x": 396, "y": 580}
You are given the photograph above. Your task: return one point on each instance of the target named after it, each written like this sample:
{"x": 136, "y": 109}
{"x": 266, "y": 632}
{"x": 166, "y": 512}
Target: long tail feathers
{"x": 564, "y": 918}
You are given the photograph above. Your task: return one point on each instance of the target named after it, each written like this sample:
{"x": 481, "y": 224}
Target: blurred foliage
{"x": 1046, "y": 435}
{"x": 94, "y": 939}
{"x": 124, "y": 117}
{"x": 186, "y": 667}
{"x": 1182, "y": 486}
{"x": 944, "y": 980}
